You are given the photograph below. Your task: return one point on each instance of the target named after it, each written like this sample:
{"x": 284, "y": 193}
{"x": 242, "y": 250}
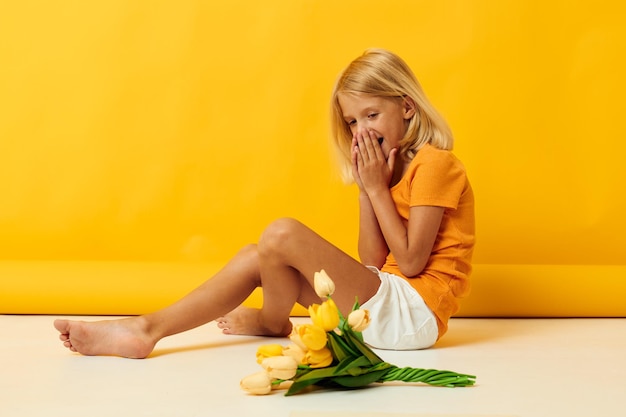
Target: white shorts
{"x": 400, "y": 319}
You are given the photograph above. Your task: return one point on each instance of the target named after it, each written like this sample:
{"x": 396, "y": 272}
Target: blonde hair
{"x": 381, "y": 73}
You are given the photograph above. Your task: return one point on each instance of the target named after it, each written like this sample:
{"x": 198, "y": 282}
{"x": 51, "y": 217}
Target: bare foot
{"x": 126, "y": 337}
{"x": 247, "y": 321}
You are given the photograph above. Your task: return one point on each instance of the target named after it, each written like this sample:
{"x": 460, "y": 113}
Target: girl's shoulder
{"x": 436, "y": 177}
{"x": 435, "y": 158}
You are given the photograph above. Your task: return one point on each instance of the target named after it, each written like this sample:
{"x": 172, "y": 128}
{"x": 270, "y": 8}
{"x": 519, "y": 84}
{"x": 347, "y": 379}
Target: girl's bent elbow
{"x": 412, "y": 269}
{"x": 410, "y": 272}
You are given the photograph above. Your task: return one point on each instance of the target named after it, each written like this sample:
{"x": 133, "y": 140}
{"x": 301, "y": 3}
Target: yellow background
{"x": 173, "y": 132}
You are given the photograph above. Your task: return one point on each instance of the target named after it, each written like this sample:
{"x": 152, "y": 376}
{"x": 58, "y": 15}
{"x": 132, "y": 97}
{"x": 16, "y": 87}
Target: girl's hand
{"x": 355, "y": 168}
{"x": 371, "y": 171}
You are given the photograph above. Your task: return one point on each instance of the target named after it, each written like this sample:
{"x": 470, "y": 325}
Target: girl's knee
{"x": 278, "y": 235}
{"x": 249, "y": 251}
{"x": 248, "y": 258}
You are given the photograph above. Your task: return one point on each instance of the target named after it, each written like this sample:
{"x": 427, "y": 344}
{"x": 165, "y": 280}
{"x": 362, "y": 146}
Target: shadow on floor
{"x": 179, "y": 349}
{"x": 470, "y": 331}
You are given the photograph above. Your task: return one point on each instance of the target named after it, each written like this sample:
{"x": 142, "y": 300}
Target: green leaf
{"x": 363, "y": 348}
{"x": 336, "y": 347}
{"x": 339, "y": 343}
{"x": 300, "y": 385}
{"x": 342, "y": 324}
{"x": 350, "y": 363}
{"x": 318, "y": 373}
{"x": 360, "y": 380}
{"x": 310, "y": 378}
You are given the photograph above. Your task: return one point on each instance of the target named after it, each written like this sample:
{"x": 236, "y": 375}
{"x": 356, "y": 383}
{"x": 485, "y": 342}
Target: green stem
{"x": 428, "y": 376}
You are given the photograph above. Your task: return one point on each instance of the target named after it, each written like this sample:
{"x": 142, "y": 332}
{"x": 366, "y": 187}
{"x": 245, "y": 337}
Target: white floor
{"x": 524, "y": 367}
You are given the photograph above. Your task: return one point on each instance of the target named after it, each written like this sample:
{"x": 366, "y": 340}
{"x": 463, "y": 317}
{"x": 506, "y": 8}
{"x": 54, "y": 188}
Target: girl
{"x": 416, "y": 234}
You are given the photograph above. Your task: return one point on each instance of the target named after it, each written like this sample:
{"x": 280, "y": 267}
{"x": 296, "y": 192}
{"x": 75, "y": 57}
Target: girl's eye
{"x": 372, "y": 115}
{"x": 351, "y": 122}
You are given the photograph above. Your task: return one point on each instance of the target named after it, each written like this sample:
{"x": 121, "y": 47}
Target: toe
{"x": 62, "y": 326}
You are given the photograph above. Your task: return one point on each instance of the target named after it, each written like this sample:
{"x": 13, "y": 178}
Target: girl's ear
{"x": 409, "y": 107}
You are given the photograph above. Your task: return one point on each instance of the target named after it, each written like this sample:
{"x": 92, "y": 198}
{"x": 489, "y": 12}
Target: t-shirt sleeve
{"x": 439, "y": 181}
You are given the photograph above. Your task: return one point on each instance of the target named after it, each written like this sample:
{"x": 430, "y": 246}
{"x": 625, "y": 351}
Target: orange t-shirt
{"x": 436, "y": 177}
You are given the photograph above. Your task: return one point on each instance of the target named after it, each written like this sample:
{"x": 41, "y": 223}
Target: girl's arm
{"x": 373, "y": 249}
{"x": 410, "y": 243}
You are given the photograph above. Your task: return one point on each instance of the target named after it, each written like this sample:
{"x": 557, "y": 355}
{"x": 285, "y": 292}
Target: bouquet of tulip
{"x": 330, "y": 352}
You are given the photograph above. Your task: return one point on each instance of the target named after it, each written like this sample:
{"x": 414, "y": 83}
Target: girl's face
{"x": 387, "y": 117}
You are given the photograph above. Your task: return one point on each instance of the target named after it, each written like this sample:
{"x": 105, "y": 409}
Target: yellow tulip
{"x": 295, "y": 351}
{"x": 311, "y": 336}
{"x": 267, "y": 351}
{"x": 325, "y": 315}
{"x": 282, "y": 385}
{"x": 324, "y": 286}
{"x": 280, "y": 367}
{"x": 296, "y": 339}
{"x": 318, "y": 358}
{"x": 259, "y": 383}
{"x": 359, "y": 320}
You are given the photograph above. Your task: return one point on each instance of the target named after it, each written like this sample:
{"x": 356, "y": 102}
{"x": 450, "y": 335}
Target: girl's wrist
{"x": 375, "y": 192}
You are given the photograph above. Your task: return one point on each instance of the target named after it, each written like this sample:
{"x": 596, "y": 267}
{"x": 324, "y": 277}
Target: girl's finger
{"x": 356, "y": 156}
{"x": 365, "y": 145}
{"x": 391, "y": 161}
{"x": 360, "y": 146}
{"x": 375, "y": 144}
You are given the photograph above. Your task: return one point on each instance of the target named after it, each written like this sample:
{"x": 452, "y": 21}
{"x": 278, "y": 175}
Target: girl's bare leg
{"x": 283, "y": 263}
{"x": 289, "y": 255}
{"x": 136, "y": 337}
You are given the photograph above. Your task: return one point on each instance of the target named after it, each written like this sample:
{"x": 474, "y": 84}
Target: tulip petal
{"x": 313, "y": 337}
{"x": 258, "y": 383}
{"x": 267, "y": 351}
{"x": 323, "y": 285}
{"x": 280, "y": 367}
{"x": 359, "y": 320}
